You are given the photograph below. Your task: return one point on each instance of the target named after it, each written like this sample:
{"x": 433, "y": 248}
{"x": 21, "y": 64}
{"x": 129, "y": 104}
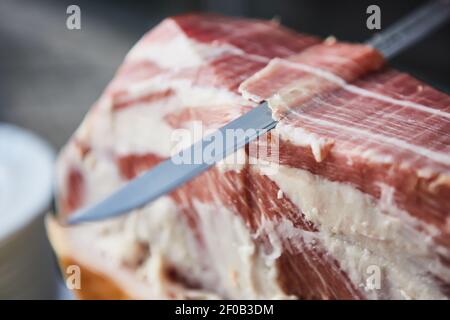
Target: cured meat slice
{"x": 349, "y": 201}
{"x": 317, "y": 70}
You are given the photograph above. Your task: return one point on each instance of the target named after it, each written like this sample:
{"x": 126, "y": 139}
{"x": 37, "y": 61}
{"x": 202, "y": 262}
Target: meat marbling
{"x": 362, "y": 188}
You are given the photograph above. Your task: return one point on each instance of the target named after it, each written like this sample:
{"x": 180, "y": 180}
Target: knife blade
{"x": 170, "y": 174}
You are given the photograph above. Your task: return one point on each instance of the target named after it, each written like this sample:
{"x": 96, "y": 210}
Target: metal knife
{"x": 168, "y": 175}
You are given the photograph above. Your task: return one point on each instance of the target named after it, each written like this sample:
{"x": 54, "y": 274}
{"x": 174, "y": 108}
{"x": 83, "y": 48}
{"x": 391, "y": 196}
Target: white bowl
{"x": 26, "y": 184}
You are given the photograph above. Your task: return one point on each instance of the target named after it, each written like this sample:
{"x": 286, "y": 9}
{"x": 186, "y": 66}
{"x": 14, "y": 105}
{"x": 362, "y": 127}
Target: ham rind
{"x": 356, "y": 206}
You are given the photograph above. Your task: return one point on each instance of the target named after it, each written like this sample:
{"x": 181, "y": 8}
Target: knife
{"x": 170, "y": 174}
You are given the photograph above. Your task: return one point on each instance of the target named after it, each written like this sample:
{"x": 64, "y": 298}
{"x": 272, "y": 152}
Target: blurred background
{"x": 50, "y": 76}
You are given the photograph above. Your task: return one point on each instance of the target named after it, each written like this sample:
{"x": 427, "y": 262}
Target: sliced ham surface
{"x": 359, "y": 189}
{"x": 371, "y": 129}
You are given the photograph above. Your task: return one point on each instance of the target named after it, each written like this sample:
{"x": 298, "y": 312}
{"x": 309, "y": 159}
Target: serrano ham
{"x": 355, "y": 207}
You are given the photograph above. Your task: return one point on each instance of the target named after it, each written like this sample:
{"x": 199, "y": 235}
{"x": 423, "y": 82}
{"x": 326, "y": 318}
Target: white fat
{"x": 280, "y": 194}
{"x": 97, "y": 126}
{"x": 170, "y": 241}
{"x": 169, "y": 234}
{"x": 359, "y": 232}
{"x": 179, "y": 52}
{"x": 243, "y": 272}
{"x": 398, "y": 277}
{"x": 231, "y": 49}
{"x": 100, "y": 169}
{"x": 319, "y": 145}
{"x": 231, "y": 265}
{"x": 283, "y": 235}
{"x": 149, "y": 133}
{"x": 234, "y": 162}
{"x": 301, "y": 137}
{"x": 187, "y": 94}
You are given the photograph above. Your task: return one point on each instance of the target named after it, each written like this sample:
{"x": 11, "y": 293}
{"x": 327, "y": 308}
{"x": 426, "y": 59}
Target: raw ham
{"x": 392, "y": 126}
{"x": 356, "y": 208}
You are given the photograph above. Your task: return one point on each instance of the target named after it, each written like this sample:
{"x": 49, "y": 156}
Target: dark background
{"x": 49, "y": 76}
